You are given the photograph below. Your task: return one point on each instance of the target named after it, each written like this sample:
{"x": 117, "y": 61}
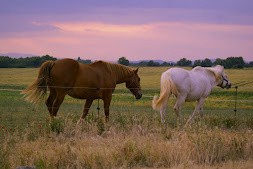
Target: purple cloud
{"x": 177, "y": 28}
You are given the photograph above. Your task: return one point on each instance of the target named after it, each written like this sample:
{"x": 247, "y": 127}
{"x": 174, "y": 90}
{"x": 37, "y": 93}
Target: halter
{"x": 223, "y": 79}
{"x": 137, "y": 94}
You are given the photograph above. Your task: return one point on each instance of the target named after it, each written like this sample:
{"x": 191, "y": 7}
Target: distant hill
{"x": 17, "y": 55}
{"x": 158, "y": 61}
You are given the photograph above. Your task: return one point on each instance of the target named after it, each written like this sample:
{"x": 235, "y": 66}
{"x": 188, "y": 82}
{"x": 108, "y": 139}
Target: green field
{"x": 134, "y": 133}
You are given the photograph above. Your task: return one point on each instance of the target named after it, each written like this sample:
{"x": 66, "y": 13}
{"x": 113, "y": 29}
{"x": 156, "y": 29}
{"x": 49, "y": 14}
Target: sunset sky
{"x": 137, "y": 29}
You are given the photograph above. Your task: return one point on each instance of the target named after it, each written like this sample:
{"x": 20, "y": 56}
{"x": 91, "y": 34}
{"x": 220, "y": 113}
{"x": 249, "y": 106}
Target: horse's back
{"x": 64, "y": 72}
{"x": 193, "y": 84}
{"x": 178, "y": 75}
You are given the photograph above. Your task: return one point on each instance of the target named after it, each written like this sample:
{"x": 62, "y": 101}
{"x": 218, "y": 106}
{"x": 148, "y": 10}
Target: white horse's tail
{"x": 165, "y": 92}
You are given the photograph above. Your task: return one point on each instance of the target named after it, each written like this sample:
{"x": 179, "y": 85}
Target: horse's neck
{"x": 212, "y": 79}
{"x": 122, "y": 73}
{"x": 207, "y": 74}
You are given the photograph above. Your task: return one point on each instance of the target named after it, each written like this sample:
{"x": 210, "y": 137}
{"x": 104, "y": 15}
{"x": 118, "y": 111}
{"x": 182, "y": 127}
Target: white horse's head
{"x": 221, "y": 77}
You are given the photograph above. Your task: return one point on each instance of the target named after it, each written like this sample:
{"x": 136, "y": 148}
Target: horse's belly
{"x": 84, "y": 94}
{"x": 197, "y": 95}
{"x": 190, "y": 98}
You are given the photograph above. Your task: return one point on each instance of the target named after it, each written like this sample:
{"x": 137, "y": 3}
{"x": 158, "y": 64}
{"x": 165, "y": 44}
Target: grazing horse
{"x": 82, "y": 81}
{"x": 193, "y": 85}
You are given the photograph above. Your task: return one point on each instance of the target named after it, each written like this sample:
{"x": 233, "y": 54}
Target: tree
{"x": 34, "y": 61}
{"x": 206, "y": 63}
{"x": 235, "y": 62}
{"x": 123, "y": 61}
{"x": 168, "y": 64}
{"x": 219, "y": 61}
{"x": 152, "y": 63}
{"x": 87, "y": 61}
{"x": 231, "y": 62}
{"x": 250, "y": 64}
{"x": 184, "y": 62}
{"x": 197, "y": 63}
{"x": 5, "y": 62}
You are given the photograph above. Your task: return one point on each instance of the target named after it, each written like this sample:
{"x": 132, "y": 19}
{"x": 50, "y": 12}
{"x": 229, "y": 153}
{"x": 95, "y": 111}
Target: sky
{"x": 136, "y": 29}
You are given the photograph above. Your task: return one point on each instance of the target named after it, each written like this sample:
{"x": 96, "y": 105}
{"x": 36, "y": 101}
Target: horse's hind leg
{"x": 57, "y": 103}
{"x": 163, "y": 110}
{"x": 177, "y": 108}
{"x": 50, "y": 101}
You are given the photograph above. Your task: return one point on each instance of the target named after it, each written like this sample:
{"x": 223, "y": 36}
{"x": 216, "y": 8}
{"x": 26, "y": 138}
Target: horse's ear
{"x": 136, "y": 70}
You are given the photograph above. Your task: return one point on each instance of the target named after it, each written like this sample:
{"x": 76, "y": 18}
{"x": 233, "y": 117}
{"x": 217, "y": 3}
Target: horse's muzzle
{"x": 228, "y": 86}
{"x": 138, "y": 96}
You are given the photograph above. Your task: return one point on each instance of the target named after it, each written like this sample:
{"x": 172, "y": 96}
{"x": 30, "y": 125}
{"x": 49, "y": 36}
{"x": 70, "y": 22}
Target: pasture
{"x": 134, "y": 136}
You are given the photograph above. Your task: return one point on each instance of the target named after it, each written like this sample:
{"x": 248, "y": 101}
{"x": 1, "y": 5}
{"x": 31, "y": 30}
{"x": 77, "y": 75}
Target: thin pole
{"x": 98, "y": 108}
{"x": 235, "y": 110}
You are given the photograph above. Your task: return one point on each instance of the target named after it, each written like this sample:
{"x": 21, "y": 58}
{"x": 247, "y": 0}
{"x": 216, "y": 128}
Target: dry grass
{"x": 24, "y": 76}
{"x": 138, "y": 147}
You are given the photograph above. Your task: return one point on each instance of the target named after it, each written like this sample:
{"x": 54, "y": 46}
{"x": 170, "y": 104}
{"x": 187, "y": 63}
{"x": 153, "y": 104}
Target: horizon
{"x": 135, "y": 29}
{"x": 160, "y": 61}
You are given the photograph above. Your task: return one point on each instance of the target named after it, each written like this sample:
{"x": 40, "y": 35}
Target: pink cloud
{"x": 160, "y": 40}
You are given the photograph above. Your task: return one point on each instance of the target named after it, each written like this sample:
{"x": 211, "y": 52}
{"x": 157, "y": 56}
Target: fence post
{"x": 98, "y": 108}
{"x": 235, "y": 110}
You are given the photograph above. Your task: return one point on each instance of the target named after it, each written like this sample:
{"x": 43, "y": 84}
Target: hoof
{"x": 80, "y": 122}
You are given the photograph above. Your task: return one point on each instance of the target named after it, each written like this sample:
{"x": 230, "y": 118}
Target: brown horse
{"x": 92, "y": 81}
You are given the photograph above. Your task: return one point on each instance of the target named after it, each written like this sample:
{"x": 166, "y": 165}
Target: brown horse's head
{"x": 133, "y": 84}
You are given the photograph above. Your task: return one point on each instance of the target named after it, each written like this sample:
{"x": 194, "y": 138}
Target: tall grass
{"x": 139, "y": 146}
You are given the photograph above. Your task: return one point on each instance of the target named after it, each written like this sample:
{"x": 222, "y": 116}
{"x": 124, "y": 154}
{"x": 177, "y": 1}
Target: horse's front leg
{"x": 107, "y": 102}
{"x": 201, "y": 112}
{"x": 198, "y": 108}
{"x": 85, "y": 110}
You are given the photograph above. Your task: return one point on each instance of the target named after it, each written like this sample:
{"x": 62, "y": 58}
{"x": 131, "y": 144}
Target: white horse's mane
{"x": 217, "y": 70}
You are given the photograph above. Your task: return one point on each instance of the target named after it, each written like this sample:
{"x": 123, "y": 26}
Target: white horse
{"x": 193, "y": 85}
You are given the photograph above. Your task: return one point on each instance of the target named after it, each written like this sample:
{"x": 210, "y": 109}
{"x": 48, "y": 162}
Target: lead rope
{"x": 236, "y": 92}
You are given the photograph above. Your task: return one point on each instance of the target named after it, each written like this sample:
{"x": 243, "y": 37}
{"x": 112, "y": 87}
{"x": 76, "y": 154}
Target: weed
{"x": 100, "y": 126}
{"x": 57, "y": 126}
{"x": 230, "y": 122}
{"x": 249, "y": 123}
{"x": 4, "y": 157}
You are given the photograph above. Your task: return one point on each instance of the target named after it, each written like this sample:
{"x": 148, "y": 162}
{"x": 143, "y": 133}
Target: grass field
{"x": 134, "y": 137}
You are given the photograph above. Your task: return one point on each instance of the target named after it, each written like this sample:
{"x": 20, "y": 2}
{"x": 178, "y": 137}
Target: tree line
{"x": 230, "y": 62}
{"x": 27, "y": 62}
{"x": 36, "y": 61}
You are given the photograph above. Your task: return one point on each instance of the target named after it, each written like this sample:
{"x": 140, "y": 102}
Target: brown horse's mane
{"x": 117, "y": 69}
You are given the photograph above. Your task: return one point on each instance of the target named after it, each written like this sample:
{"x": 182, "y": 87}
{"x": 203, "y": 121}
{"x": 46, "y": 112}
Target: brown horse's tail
{"x": 165, "y": 92}
{"x": 38, "y": 88}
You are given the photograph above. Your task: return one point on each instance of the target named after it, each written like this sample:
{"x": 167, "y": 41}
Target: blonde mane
{"x": 217, "y": 71}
